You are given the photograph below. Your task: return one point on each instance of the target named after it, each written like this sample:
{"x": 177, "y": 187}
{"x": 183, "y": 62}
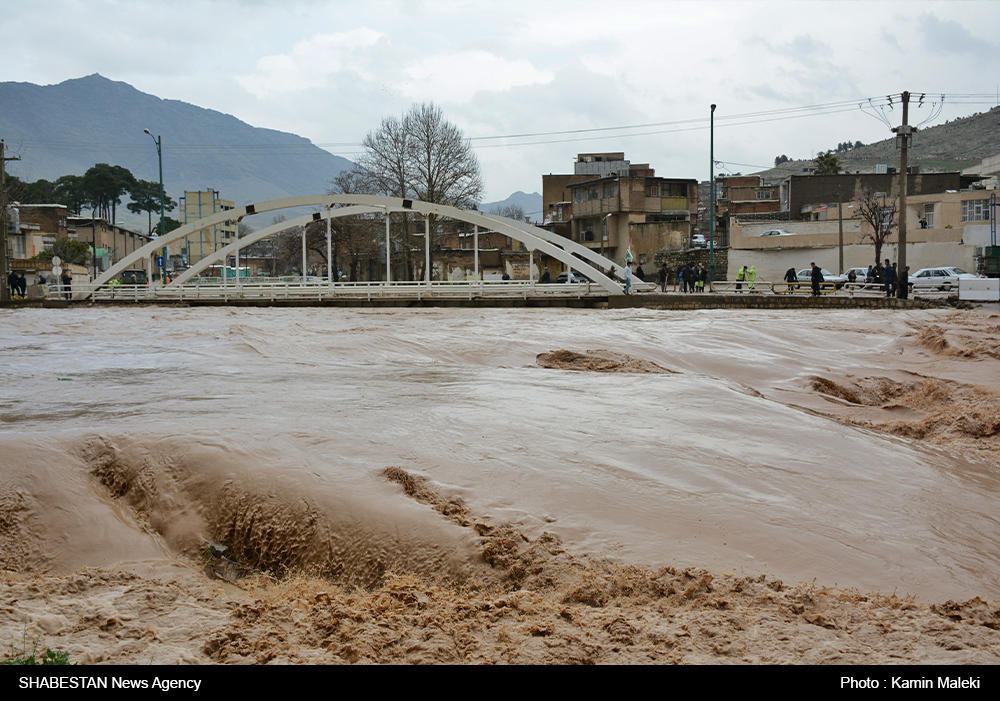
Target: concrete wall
{"x": 772, "y": 263}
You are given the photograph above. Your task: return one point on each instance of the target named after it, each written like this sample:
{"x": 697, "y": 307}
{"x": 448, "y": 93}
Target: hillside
{"x": 531, "y": 204}
{"x": 65, "y": 129}
{"x": 946, "y": 147}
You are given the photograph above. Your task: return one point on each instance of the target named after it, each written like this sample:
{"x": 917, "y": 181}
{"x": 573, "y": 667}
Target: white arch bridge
{"x": 576, "y": 257}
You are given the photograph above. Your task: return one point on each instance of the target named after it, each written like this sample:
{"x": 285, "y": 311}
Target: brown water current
{"x": 849, "y": 449}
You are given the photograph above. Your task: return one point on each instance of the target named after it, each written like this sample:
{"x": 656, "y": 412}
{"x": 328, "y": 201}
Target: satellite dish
{"x": 56, "y": 260}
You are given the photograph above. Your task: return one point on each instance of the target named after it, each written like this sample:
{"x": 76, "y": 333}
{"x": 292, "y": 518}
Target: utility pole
{"x": 840, "y": 228}
{"x": 903, "y": 135}
{"x": 4, "y": 288}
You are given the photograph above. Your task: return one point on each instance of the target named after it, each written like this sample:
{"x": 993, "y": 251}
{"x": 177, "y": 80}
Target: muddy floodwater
{"x": 849, "y": 450}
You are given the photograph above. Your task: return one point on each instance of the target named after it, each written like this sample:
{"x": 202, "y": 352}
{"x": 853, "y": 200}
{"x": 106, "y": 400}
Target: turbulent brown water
{"x": 742, "y": 442}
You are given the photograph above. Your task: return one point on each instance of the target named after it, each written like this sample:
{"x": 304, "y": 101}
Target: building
{"x": 198, "y": 204}
{"x": 958, "y": 228}
{"x": 33, "y": 228}
{"x": 617, "y": 207}
{"x": 808, "y": 197}
{"x": 744, "y": 196}
{"x": 109, "y": 243}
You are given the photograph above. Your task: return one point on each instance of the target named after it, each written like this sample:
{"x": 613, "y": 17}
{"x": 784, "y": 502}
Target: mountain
{"x": 531, "y": 204}
{"x": 65, "y": 129}
{"x": 951, "y": 146}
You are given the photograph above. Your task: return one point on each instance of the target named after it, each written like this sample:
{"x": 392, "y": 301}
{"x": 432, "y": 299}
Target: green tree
{"x": 69, "y": 250}
{"x": 69, "y": 190}
{"x": 104, "y": 186}
{"x": 145, "y": 196}
{"x": 828, "y": 164}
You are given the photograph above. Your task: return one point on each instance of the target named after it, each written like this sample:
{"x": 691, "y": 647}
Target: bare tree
{"x": 880, "y": 212}
{"x": 421, "y": 156}
{"x": 511, "y": 211}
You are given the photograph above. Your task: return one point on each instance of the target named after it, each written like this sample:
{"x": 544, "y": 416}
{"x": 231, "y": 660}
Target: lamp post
{"x": 711, "y": 203}
{"x": 163, "y": 225}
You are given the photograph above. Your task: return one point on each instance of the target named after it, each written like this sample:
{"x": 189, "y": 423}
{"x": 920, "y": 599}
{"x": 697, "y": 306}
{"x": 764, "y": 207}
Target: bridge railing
{"x": 311, "y": 290}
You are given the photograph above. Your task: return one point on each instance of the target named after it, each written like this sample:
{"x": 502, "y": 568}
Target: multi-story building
{"x": 198, "y": 204}
{"x": 745, "y": 197}
{"x": 33, "y": 228}
{"x": 618, "y": 207}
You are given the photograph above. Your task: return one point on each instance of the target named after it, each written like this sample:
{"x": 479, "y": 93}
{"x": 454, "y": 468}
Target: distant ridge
{"x": 945, "y": 147}
{"x": 65, "y": 129}
{"x": 531, "y": 204}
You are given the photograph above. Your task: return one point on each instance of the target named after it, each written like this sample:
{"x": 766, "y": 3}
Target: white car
{"x": 698, "y": 241}
{"x": 777, "y": 232}
{"x": 805, "y": 276}
{"x": 942, "y": 278}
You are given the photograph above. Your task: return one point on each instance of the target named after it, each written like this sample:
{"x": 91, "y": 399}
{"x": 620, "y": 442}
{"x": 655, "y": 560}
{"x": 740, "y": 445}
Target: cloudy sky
{"x": 330, "y": 71}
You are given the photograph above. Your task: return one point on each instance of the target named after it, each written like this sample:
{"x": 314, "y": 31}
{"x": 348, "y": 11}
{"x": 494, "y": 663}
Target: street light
{"x": 163, "y": 226}
{"x": 711, "y": 202}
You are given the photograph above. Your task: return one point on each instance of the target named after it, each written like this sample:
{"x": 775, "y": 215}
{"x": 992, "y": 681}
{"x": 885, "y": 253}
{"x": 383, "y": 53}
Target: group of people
{"x": 896, "y": 281}
{"x": 692, "y": 277}
{"x": 747, "y": 275}
{"x": 18, "y": 284}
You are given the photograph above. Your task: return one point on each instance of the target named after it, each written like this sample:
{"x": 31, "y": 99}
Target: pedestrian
{"x": 12, "y": 283}
{"x": 546, "y": 277}
{"x": 628, "y": 278}
{"x": 870, "y": 276}
{"x": 741, "y": 275}
{"x": 702, "y": 277}
{"x": 640, "y": 274}
{"x": 663, "y": 279}
{"x": 852, "y": 276}
{"x": 506, "y": 276}
{"x": 888, "y": 277}
{"x": 67, "y": 283}
{"x": 688, "y": 278}
{"x": 751, "y": 277}
{"x": 816, "y": 276}
{"x": 680, "y": 278}
{"x": 22, "y": 285}
{"x": 791, "y": 279}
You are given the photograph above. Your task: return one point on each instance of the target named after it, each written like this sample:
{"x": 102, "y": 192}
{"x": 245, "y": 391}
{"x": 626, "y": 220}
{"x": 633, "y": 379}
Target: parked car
{"x": 577, "y": 277}
{"x": 777, "y": 232}
{"x": 133, "y": 277}
{"x": 860, "y": 274}
{"x": 698, "y": 241}
{"x": 805, "y": 276}
{"x": 943, "y": 278}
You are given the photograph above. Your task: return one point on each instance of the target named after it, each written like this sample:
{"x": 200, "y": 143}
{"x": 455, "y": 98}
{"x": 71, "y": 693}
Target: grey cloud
{"x": 949, "y": 37}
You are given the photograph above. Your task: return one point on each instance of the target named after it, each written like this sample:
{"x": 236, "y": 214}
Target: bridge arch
{"x": 572, "y": 254}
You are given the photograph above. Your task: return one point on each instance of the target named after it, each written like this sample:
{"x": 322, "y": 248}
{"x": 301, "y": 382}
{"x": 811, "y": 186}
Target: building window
{"x": 929, "y": 215}
{"x": 578, "y": 194}
{"x": 594, "y": 192}
{"x": 652, "y": 190}
{"x": 763, "y": 194}
{"x": 976, "y": 210}
{"x": 609, "y": 189}
{"x": 18, "y": 246}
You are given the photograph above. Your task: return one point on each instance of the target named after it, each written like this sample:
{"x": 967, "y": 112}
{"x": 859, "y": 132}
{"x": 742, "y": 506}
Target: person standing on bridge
{"x": 663, "y": 279}
{"x": 628, "y": 278}
{"x": 817, "y": 277}
{"x": 546, "y": 277}
{"x": 889, "y": 277}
